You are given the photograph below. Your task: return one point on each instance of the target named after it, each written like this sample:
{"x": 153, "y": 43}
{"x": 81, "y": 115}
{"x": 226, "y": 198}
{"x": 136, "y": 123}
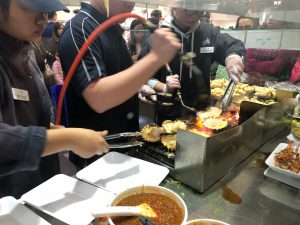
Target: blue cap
{"x": 44, "y": 5}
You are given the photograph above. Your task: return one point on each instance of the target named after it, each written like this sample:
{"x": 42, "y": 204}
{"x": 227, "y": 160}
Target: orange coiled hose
{"x": 102, "y": 27}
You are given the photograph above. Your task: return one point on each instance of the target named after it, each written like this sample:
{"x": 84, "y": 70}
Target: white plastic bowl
{"x": 206, "y": 222}
{"x": 152, "y": 189}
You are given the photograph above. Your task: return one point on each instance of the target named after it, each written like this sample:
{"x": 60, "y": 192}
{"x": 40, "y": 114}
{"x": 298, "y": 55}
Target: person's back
{"x": 109, "y": 55}
{"x": 103, "y": 91}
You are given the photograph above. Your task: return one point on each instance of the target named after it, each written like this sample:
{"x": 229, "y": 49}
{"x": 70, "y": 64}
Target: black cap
{"x": 44, "y": 5}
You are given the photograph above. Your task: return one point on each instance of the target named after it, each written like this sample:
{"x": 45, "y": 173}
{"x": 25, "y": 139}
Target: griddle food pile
{"x": 244, "y": 92}
{"x": 288, "y": 159}
{"x": 166, "y": 134}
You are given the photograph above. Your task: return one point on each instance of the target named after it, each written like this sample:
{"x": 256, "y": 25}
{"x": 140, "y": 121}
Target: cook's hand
{"x": 235, "y": 67}
{"x": 145, "y": 89}
{"x": 172, "y": 83}
{"x": 87, "y": 143}
{"x": 165, "y": 44}
{"x": 134, "y": 58}
{"x": 53, "y": 126}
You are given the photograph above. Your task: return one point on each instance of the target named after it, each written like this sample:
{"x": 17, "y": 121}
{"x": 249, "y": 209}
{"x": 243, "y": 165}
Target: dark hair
{"x": 155, "y": 16}
{"x": 4, "y": 6}
{"x": 56, "y": 26}
{"x": 131, "y": 43}
{"x": 254, "y": 20}
{"x": 156, "y": 13}
{"x": 205, "y": 16}
{"x": 75, "y": 11}
{"x": 51, "y": 15}
{"x": 136, "y": 22}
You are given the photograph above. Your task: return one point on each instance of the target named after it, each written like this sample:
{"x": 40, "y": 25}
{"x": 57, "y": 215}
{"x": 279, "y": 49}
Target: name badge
{"x": 19, "y": 94}
{"x": 207, "y": 50}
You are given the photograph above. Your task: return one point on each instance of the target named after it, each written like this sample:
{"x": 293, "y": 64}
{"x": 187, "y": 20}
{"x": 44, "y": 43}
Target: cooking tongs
{"x": 131, "y": 143}
{"x": 226, "y": 98}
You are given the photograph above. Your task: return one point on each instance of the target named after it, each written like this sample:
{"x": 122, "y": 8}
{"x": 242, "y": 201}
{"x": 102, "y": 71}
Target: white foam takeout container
{"x": 67, "y": 199}
{"x": 117, "y": 172}
{"x": 14, "y": 212}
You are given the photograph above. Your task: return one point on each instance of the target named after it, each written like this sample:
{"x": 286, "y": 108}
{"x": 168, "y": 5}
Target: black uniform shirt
{"x": 209, "y": 45}
{"x": 107, "y": 55}
{"x": 22, "y": 120}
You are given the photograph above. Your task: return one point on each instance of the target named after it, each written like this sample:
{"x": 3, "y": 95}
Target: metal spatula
{"x": 226, "y": 98}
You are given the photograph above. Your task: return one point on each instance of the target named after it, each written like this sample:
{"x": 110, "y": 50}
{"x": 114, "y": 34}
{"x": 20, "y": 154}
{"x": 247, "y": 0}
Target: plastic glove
{"x": 172, "y": 83}
{"x": 146, "y": 89}
{"x": 235, "y": 67}
{"x": 134, "y": 58}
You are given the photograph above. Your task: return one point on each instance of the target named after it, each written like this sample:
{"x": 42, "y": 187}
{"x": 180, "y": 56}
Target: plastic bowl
{"x": 206, "y": 222}
{"x": 151, "y": 189}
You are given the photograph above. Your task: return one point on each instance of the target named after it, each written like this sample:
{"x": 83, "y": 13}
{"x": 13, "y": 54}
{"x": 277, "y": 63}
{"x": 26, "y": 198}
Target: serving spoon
{"x": 140, "y": 210}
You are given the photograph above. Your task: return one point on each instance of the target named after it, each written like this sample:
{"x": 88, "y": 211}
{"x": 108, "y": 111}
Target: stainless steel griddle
{"x": 199, "y": 162}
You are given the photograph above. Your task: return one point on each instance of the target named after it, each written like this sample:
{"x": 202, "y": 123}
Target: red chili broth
{"x": 168, "y": 210}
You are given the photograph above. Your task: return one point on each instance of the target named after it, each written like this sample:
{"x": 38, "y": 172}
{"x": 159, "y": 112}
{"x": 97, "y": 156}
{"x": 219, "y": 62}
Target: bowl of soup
{"x": 169, "y": 206}
{"x": 206, "y": 222}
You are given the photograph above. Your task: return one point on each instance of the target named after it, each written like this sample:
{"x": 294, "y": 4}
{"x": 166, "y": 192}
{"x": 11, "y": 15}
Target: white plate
{"x": 291, "y": 181}
{"x": 68, "y": 199}
{"x": 12, "y": 212}
{"x": 117, "y": 172}
{"x": 270, "y": 162}
{"x": 291, "y": 137}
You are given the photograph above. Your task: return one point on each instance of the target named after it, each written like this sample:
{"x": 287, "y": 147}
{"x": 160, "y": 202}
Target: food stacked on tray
{"x": 166, "y": 134}
{"x": 206, "y": 124}
{"x": 244, "y": 92}
{"x": 284, "y": 164}
{"x": 288, "y": 159}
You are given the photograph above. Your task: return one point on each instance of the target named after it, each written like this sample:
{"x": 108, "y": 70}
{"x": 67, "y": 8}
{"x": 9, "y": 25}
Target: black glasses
{"x": 194, "y": 13}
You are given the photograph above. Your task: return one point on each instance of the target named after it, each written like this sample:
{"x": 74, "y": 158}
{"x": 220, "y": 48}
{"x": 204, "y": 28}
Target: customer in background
{"x": 246, "y": 23}
{"x": 43, "y": 56}
{"x": 208, "y": 45}
{"x": 138, "y": 35}
{"x": 50, "y": 38}
{"x": 295, "y": 74}
{"x": 52, "y": 19}
{"x": 155, "y": 17}
{"x": 269, "y": 64}
{"x": 57, "y": 70}
{"x": 56, "y": 67}
{"x": 103, "y": 91}
{"x": 25, "y": 132}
